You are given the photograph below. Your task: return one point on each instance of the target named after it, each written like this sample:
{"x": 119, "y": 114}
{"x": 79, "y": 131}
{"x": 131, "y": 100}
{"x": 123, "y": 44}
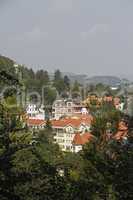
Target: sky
{"x": 92, "y": 37}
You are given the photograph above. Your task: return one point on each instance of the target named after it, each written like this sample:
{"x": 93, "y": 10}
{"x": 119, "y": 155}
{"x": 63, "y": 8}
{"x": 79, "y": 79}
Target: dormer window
{"x": 69, "y": 104}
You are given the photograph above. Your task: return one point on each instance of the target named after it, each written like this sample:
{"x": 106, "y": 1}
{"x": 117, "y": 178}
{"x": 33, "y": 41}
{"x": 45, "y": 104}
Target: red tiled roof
{"x": 122, "y": 126}
{"x": 35, "y": 122}
{"x": 87, "y": 137}
{"x": 77, "y": 139}
{"x": 81, "y": 139}
{"x": 120, "y": 135}
{"x": 75, "y": 122}
{"x": 122, "y": 131}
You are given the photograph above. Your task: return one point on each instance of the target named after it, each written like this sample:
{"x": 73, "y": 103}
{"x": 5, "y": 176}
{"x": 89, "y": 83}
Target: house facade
{"x": 63, "y": 108}
{"x": 66, "y": 129}
{"x": 81, "y": 139}
{"x": 35, "y": 112}
{"x": 36, "y": 124}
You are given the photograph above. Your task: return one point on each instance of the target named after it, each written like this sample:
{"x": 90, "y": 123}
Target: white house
{"x": 65, "y": 130}
{"x": 35, "y": 112}
{"x": 81, "y": 139}
{"x": 36, "y": 124}
{"x": 62, "y": 108}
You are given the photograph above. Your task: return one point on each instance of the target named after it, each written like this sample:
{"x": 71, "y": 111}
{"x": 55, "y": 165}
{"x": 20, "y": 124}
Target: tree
{"x": 49, "y": 96}
{"x": 8, "y": 125}
{"x": 60, "y": 86}
{"x": 106, "y": 120}
{"x": 57, "y": 75}
{"x": 42, "y": 77}
{"x": 67, "y": 82}
{"x": 76, "y": 90}
{"x": 7, "y": 64}
{"x": 58, "y": 82}
{"x": 76, "y": 87}
{"x": 48, "y": 126}
{"x": 46, "y": 77}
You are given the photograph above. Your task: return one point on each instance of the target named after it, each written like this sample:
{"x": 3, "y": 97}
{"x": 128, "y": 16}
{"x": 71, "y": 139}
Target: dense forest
{"x": 32, "y": 167}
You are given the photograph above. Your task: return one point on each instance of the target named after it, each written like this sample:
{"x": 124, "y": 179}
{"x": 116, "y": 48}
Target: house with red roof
{"x": 122, "y": 133}
{"x": 81, "y": 139}
{"x": 70, "y": 133}
{"x": 116, "y": 101}
{"x": 36, "y": 123}
{"x": 65, "y": 130}
{"x": 35, "y": 112}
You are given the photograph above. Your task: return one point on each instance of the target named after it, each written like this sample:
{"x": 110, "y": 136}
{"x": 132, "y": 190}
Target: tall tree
{"x": 57, "y": 75}
{"x": 67, "y": 82}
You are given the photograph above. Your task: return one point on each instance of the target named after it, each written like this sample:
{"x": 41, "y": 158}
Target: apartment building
{"x": 65, "y": 130}
{"x": 63, "y": 108}
{"x": 35, "y": 112}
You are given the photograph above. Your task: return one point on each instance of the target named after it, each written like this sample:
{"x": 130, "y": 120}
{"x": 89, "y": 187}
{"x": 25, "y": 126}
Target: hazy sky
{"x": 93, "y": 37}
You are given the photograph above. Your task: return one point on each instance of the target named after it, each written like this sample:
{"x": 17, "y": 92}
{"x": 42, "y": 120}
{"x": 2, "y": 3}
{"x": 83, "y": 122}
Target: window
{"x": 69, "y": 129}
{"x": 68, "y": 148}
{"x": 60, "y": 135}
{"x": 69, "y": 104}
{"x": 68, "y": 135}
{"x": 60, "y": 140}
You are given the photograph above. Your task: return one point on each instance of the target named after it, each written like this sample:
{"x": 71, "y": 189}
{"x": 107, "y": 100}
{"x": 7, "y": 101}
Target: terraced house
{"x": 66, "y": 129}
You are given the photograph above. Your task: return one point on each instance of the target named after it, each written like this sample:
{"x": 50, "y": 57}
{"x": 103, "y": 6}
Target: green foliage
{"x": 49, "y": 96}
{"x": 57, "y": 75}
{"x": 67, "y": 82}
{"x": 123, "y": 176}
{"x": 60, "y": 85}
{"x": 48, "y": 126}
{"x": 76, "y": 90}
{"x": 39, "y": 82}
{"x": 6, "y": 64}
{"x": 106, "y": 119}
{"x": 32, "y": 167}
{"x": 76, "y": 87}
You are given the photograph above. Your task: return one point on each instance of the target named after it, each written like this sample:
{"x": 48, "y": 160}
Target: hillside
{"x": 6, "y": 64}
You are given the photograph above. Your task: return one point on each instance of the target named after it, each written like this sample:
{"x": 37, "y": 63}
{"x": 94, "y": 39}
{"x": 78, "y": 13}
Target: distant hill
{"x": 7, "y": 64}
{"x": 106, "y": 80}
{"x": 81, "y": 78}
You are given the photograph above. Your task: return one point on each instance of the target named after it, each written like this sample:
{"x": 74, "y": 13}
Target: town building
{"x": 35, "y": 112}
{"x": 62, "y": 108}
{"x": 36, "y": 124}
{"x": 65, "y": 130}
{"x": 122, "y": 133}
{"x": 116, "y": 101}
{"x": 81, "y": 139}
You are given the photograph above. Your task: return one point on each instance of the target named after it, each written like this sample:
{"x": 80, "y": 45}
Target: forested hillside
{"x": 6, "y": 63}
{"x": 39, "y": 81}
{"x": 32, "y": 167}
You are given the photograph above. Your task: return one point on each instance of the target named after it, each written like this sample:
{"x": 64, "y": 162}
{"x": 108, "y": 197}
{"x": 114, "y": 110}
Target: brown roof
{"x": 74, "y": 122}
{"x": 122, "y": 131}
{"x": 122, "y": 126}
{"x": 35, "y": 122}
{"x": 120, "y": 135}
{"x": 81, "y": 139}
